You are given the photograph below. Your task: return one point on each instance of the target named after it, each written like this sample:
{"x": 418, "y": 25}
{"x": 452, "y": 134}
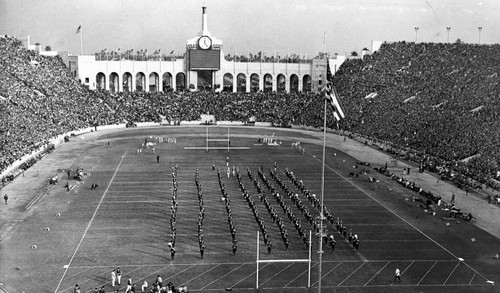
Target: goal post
{"x": 227, "y": 140}
{"x": 216, "y": 141}
{"x": 308, "y": 260}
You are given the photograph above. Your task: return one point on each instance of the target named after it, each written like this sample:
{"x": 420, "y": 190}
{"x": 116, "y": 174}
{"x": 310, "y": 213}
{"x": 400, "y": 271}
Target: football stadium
{"x": 376, "y": 173}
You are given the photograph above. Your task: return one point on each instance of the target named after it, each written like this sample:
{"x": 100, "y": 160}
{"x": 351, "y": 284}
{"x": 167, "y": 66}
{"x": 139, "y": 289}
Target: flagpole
{"x": 81, "y": 39}
{"x": 320, "y": 252}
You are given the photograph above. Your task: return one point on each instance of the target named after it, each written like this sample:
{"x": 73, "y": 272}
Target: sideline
{"x": 66, "y": 267}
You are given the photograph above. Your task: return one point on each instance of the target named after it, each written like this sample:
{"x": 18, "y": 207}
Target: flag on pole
{"x": 172, "y": 52}
{"x": 332, "y": 97}
{"x": 78, "y": 30}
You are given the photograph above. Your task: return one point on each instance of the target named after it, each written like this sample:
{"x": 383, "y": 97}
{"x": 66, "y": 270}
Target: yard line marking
{"x": 269, "y": 279}
{"x": 74, "y": 275}
{"x": 203, "y": 288}
{"x": 351, "y": 274}
{"x": 261, "y": 268}
{"x": 204, "y": 272}
{"x": 407, "y": 268}
{"x": 90, "y": 222}
{"x": 331, "y": 270}
{"x": 472, "y": 278}
{"x": 401, "y": 218}
{"x": 300, "y": 275}
{"x": 376, "y": 274}
{"x": 411, "y": 285}
{"x": 135, "y": 201}
{"x": 449, "y": 276}
{"x": 426, "y": 273}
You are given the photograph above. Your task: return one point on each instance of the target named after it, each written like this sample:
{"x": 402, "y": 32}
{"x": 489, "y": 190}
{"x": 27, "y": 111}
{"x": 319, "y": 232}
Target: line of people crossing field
{"x": 258, "y": 218}
{"x": 225, "y": 199}
{"x": 270, "y": 209}
{"x": 173, "y": 210}
{"x": 201, "y": 214}
{"x": 279, "y": 199}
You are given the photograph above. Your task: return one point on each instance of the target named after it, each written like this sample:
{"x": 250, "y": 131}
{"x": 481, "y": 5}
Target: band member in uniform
{"x": 113, "y": 278}
{"x": 119, "y": 276}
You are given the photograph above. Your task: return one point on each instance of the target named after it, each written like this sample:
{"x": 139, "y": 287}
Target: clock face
{"x": 205, "y": 42}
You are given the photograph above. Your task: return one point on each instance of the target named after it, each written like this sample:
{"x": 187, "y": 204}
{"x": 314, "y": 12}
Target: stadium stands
{"x": 434, "y": 103}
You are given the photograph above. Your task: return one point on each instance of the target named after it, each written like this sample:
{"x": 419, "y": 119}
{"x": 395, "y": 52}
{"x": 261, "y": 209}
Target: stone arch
{"x": 241, "y": 84}
{"x": 268, "y": 83}
{"x": 254, "y": 82}
{"x": 127, "y": 82}
{"x": 180, "y": 81}
{"x": 281, "y": 83}
{"x": 306, "y": 83}
{"x": 100, "y": 81}
{"x": 154, "y": 82}
{"x": 167, "y": 82}
{"x": 294, "y": 83}
{"x": 114, "y": 82}
{"x": 140, "y": 82}
{"x": 227, "y": 83}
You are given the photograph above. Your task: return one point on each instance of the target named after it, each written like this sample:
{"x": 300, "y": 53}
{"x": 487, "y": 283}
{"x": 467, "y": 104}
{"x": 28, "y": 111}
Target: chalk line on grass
{"x": 90, "y": 222}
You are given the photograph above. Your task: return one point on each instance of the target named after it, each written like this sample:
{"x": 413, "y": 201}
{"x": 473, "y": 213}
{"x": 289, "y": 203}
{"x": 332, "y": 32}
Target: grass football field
{"x": 126, "y": 222}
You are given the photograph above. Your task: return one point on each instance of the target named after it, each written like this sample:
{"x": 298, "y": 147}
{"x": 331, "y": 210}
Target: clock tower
{"x": 204, "y": 56}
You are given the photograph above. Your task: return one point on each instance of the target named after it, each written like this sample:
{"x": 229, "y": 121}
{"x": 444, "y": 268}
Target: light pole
{"x": 448, "y": 34}
{"x": 416, "y": 33}
{"x": 479, "y": 29}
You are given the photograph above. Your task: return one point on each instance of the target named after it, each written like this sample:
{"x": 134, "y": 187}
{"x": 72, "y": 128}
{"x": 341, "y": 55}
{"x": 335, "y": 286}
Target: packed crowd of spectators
{"x": 428, "y": 102}
{"x": 438, "y": 101}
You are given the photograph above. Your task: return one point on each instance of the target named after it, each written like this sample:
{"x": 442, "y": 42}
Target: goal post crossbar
{"x": 218, "y": 139}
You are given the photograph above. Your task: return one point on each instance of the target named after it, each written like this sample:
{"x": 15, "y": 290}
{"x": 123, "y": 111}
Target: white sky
{"x": 272, "y": 26}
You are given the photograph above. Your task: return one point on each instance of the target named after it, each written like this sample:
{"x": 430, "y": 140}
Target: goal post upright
{"x": 309, "y": 269}
{"x": 257, "y": 271}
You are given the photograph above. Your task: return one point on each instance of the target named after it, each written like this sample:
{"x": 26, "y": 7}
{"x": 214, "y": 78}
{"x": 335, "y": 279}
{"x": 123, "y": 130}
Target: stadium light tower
{"x": 448, "y": 34}
{"x": 479, "y": 29}
{"x": 416, "y": 33}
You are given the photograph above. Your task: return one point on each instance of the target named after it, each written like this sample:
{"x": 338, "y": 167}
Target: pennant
{"x": 79, "y": 29}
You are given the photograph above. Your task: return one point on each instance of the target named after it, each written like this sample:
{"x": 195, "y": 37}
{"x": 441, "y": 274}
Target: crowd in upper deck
{"x": 439, "y": 100}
